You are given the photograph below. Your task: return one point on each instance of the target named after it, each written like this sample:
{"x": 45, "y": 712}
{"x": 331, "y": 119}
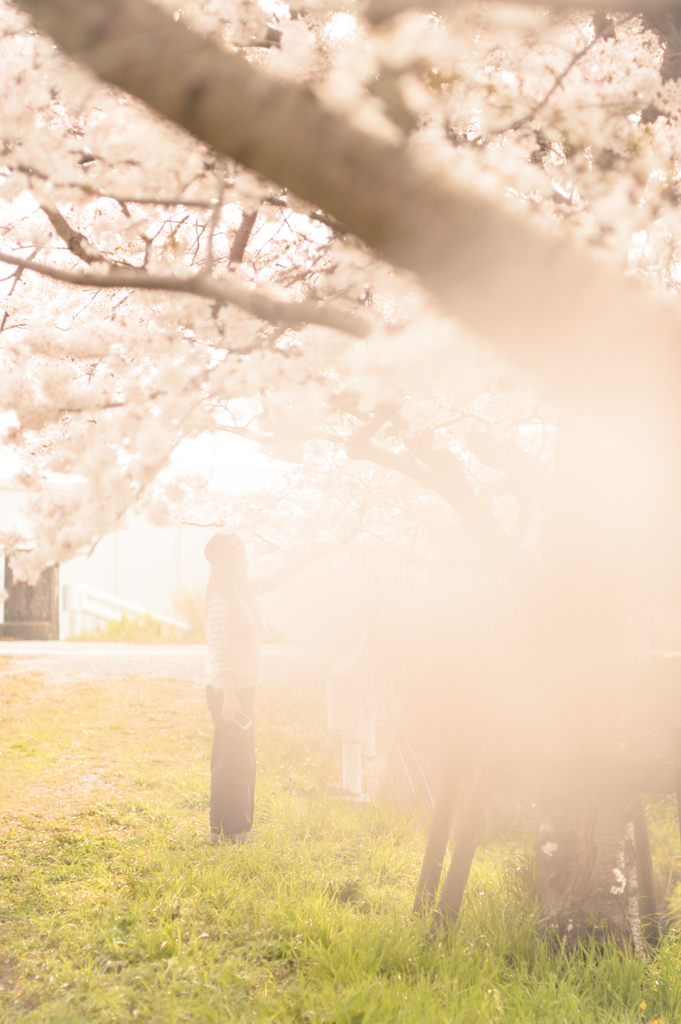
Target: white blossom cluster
{"x": 568, "y": 118}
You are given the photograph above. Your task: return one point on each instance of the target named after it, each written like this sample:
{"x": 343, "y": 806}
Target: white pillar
{"x": 352, "y": 760}
{"x": 70, "y": 602}
{"x": 344, "y": 705}
{"x": 382, "y": 680}
{"x": 366, "y": 668}
{"x": 178, "y": 559}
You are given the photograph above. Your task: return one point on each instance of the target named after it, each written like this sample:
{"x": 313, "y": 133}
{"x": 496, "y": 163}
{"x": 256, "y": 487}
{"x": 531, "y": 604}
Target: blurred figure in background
{"x": 233, "y": 630}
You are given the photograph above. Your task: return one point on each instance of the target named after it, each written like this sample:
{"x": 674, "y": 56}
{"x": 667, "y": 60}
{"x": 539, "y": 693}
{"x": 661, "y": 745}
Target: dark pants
{"x": 232, "y": 766}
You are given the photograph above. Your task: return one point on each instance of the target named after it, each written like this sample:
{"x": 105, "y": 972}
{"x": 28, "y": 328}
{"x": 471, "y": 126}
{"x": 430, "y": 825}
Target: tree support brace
{"x": 441, "y": 824}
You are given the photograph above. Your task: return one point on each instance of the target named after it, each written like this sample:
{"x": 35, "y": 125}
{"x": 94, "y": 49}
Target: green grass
{"x": 147, "y": 629}
{"x": 115, "y": 908}
{"x": 141, "y": 629}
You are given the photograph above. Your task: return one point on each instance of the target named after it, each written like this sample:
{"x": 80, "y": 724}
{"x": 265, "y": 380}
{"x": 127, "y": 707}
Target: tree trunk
{"x": 586, "y": 863}
{"x": 585, "y": 849}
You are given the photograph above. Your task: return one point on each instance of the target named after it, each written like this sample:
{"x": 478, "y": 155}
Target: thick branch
{"x": 377, "y": 11}
{"x": 476, "y": 516}
{"x": 667, "y": 24}
{"x": 524, "y": 474}
{"x": 401, "y": 463}
{"x": 597, "y": 340}
{"x": 222, "y": 291}
{"x": 446, "y": 476}
{"x": 75, "y": 241}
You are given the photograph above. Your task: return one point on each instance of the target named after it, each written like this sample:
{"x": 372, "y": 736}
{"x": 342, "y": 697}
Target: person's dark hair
{"x": 232, "y": 585}
{"x": 222, "y": 545}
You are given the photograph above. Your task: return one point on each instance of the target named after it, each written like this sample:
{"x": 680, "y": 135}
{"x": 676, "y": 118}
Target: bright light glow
{"x": 341, "y": 26}
{"x": 230, "y": 463}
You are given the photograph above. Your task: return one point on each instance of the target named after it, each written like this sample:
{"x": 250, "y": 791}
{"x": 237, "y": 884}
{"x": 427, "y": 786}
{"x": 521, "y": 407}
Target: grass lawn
{"x": 114, "y": 907}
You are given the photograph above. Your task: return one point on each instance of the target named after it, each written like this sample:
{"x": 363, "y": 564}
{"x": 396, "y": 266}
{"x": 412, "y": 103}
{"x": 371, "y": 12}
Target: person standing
{"x": 233, "y": 633}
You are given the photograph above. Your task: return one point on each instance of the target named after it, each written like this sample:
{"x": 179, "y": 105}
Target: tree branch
{"x": 440, "y": 471}
{"x": 598, "y": 341}
{"x": 198, "y": 204}
{"x": 15, "y": 281}
{"x": 243, "y": 233}
{"x": 557, "y": 82}
{"x": 214, "y": 220}
{"x": 76, "y": 242}
{"x": 477, "y": 518}
{"x": 667, "y": 24}
{"x": 223, "y": 291}
{"x": 321, "y": 218}
{"x": 377, "y": 11}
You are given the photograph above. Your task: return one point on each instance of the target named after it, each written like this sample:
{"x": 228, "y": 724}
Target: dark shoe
{"x": 235, "y": 839}
{"x": 241, "y": 838}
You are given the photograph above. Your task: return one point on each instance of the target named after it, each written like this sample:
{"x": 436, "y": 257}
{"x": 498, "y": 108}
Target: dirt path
{"x": 148, "y": 684}
{"x": 64, "y": 661}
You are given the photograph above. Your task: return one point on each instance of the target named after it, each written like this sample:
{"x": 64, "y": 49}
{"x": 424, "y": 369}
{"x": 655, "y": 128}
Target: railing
{"x": 81, "y": 600}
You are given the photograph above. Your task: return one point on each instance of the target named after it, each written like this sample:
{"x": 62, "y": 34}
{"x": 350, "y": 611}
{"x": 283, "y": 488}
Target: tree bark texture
{"x": 595, "y": 339}
{"x": 586, "y": 863}
{"x": 585, "y": 849}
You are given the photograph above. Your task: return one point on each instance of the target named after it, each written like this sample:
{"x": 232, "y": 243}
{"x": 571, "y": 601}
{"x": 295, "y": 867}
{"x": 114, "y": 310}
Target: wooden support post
{"x": 440, "y": 825}
{"x": 646, "y": 877}
{"x": 467, "y": 840}
{"x": 676, "y": 749}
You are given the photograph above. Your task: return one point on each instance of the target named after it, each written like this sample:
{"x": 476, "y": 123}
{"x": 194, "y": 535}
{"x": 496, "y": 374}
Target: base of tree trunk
{"x": 586, "y": 863}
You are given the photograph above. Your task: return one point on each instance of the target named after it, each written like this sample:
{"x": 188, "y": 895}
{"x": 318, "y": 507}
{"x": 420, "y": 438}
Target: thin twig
{"x": 558, "y": 81}
{"x": 214, "y": 219}
{"x": 16, "y": 275}
{"x": 321, "y": 218}
{"x": 198, "y": 204}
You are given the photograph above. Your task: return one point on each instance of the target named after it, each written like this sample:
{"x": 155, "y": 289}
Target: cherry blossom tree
{"x": 400, "y": 232}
